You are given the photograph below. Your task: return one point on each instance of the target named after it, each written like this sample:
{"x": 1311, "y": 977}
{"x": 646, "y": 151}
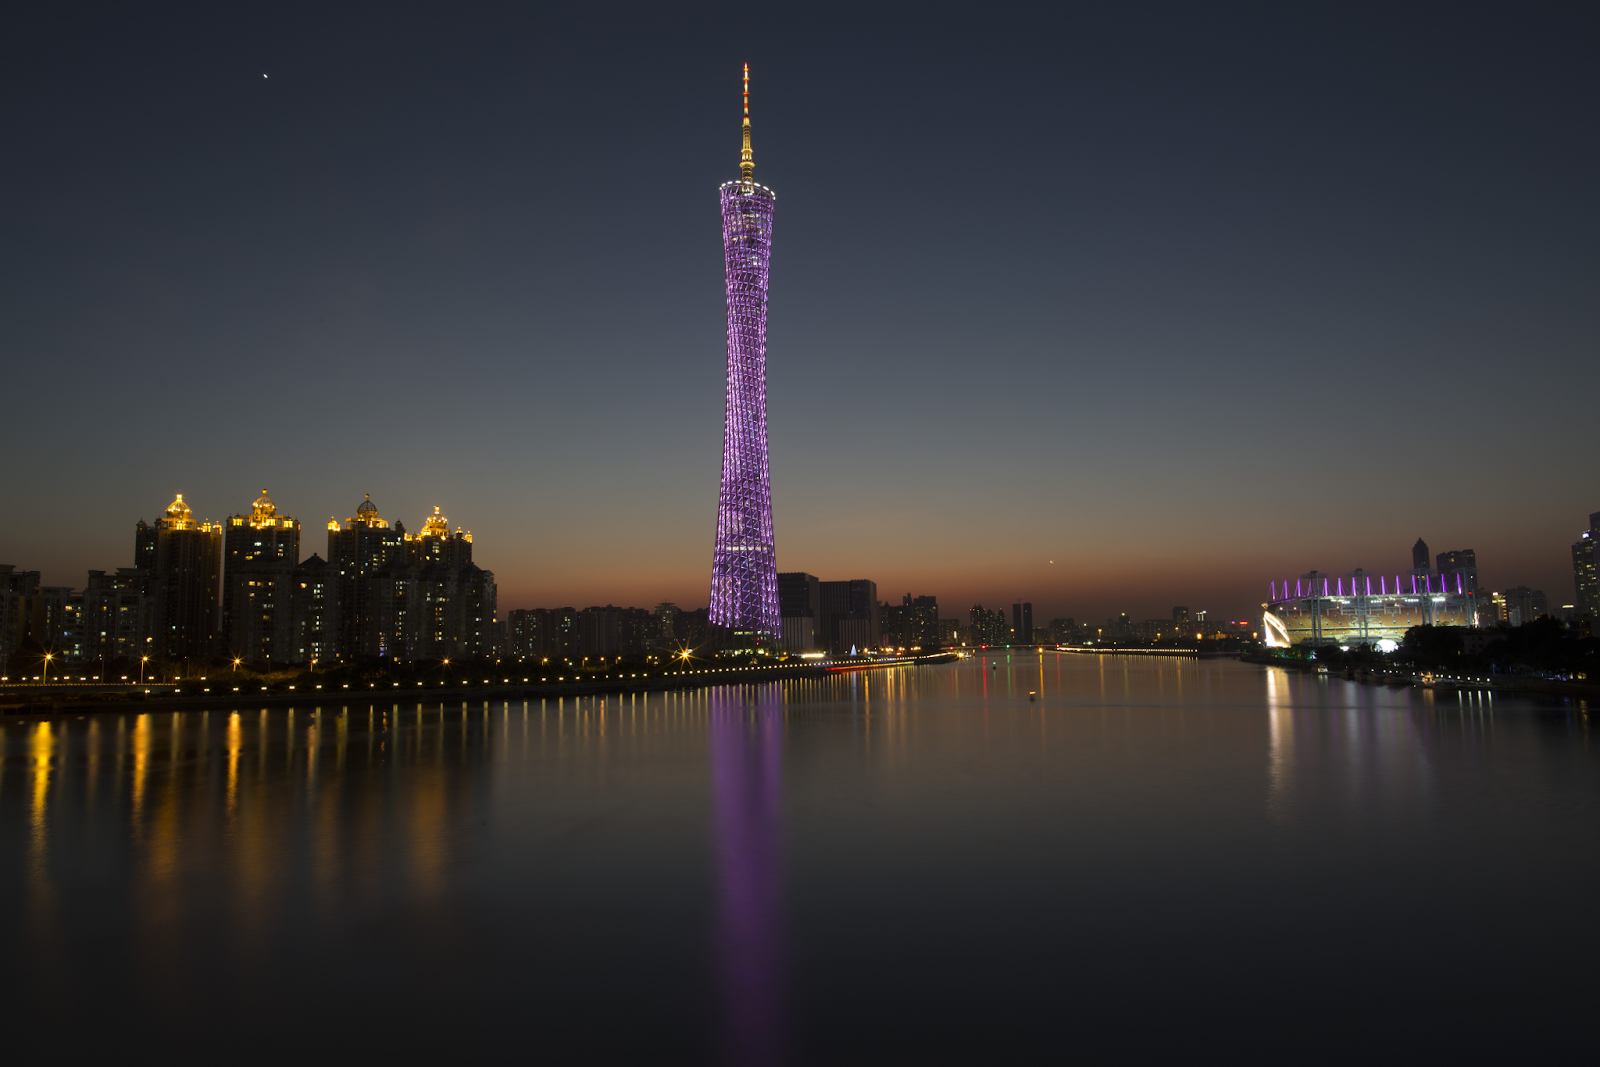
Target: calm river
{"x": 1153, "y": 860}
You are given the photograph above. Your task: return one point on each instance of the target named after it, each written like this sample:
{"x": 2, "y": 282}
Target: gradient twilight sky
{"x": 1181, "y": 297}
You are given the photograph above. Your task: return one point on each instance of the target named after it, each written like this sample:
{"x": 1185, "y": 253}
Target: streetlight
{"x": 142, "y": 661}
{"x": 236, "y": 665}
{"x": 48, "y": 656}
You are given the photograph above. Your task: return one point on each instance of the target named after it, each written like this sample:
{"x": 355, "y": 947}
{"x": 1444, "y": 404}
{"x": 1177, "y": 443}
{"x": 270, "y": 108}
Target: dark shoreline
{"x": 1436, "y": 681}
{"x": 126, "y": 700}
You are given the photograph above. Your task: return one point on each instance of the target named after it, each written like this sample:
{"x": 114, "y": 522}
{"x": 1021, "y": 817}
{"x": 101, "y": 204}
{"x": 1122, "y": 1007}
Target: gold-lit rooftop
{"x": 366, "y": 515}
{"x": 435, "y": 525}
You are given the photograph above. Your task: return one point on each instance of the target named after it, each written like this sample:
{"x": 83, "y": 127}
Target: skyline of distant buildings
{"x": 239, "y": 589}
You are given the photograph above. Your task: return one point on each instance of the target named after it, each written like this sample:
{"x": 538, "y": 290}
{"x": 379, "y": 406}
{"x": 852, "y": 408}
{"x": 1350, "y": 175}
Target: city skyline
{"x": 1175, "y": 380}
{"x": 1561, "y": 591}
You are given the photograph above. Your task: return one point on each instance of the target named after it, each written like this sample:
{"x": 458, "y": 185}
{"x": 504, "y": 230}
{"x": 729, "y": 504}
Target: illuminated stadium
{"x": 1363, "y": 608}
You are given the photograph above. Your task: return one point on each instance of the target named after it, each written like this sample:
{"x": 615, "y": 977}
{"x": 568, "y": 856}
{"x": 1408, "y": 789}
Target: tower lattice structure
{"x": 744, "y": 570}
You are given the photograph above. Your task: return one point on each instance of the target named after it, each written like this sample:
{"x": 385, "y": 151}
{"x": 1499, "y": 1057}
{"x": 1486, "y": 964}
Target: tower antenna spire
{"x": 747, "y": 159}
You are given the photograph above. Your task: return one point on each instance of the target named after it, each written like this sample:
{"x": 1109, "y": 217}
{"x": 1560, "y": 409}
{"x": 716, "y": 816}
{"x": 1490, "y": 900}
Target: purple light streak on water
{"x": 747, "y": 778}
{"x": 744, "y": 568}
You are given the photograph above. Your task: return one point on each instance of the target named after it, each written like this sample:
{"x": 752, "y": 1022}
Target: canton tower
{"x": 744, "y": 569}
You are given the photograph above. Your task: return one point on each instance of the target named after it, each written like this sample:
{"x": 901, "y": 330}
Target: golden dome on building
{"x": 262, "y": 511}
{"x": 179, "y": 516}
{"x": 436, "y": 525}
{"x": 367, "y": 514}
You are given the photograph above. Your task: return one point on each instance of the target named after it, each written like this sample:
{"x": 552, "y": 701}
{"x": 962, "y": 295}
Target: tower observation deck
{"x": 744, "y": 570}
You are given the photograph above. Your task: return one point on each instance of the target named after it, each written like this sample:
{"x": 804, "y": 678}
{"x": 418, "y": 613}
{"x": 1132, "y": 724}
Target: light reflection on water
{"x": 901, "y": 866}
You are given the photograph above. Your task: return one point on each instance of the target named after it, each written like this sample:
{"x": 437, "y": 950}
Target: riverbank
{"x": 83, "y": 699}
{"x": 1399, "y": 676}
{"x": 1183, "y": 653}
{"x": 90, "y": 698}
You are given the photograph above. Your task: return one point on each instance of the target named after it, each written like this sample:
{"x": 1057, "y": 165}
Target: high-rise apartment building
{"x": 1493, "y": 610}
{"x": 850, "y": 615}
{"x": 358, "y": 550}
{"x": 744, "y": 571}
{"x": 1524, "y": 605}
{"x": 144, "y": 547}
{"x": 987, "y": 627}
{"x": 188, "y": 560}
{"x": 664, "y": 634}
{"x": 453, "y": 593}
{"x": 1462, "y": 564}
{"x": 34, "y": 620}
{"x": 436, "y": 545}
{"x": 538, "y": 634}
{"x": 314, "y": 594}
{"x": 260, "y": 552}
{"x": 121, "y": 614}
{"x": 1585, "y": 579}
{"x": 922, "y": 620}
{"x": 1022, "y": 623}
{"x": 799, "y": 609}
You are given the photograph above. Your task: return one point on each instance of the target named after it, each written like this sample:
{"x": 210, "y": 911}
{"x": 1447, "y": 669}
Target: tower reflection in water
{"x": 746, "y": 742}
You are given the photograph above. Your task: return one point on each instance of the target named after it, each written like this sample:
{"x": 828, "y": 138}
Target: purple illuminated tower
{"x": 744, "y": 569}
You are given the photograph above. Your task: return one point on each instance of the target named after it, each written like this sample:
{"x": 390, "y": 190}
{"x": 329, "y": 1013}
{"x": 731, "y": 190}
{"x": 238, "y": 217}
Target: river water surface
{"x": 1150, "y": 860}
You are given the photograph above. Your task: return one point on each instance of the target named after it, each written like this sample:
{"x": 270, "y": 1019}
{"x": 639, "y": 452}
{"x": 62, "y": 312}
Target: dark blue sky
{"x": 1181, "y": 299}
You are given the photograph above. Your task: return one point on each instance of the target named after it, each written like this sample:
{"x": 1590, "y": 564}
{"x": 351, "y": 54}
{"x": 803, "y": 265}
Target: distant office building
{"x": 850, "y": 615}
{"x": 1524, "y": 605}
{"x": 188, "y": 561}
{"x": 1181, "y": 619}
{"x": 799, "y": 609}
{"x": 1022, "y": 623}
{"x": 1585, "y": 580}
{"x": 1460, "y": 563}
{"x": 950, "y": 632}
{"x": 1419, "y": 556}
{"x": 259, "y": 552}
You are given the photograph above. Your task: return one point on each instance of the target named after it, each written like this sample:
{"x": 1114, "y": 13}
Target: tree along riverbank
{"x": 1391, "y": 674}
